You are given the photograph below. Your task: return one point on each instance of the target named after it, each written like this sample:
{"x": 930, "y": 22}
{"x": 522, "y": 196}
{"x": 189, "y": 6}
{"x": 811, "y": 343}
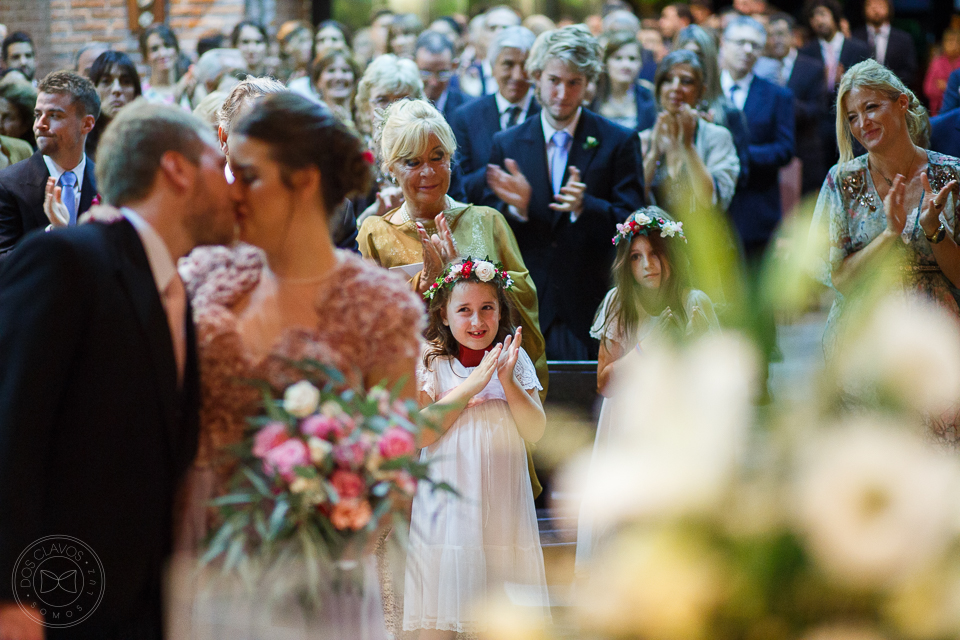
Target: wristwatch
{"x": 938, "y": 235}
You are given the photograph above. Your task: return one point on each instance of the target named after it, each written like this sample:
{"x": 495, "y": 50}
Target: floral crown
{"x": 470, "y": 269}
{"x": 642, "y": 224}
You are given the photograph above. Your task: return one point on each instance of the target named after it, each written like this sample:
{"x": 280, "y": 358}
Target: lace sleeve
{"x": 426, "y": 380}
{"x": 526, "y": 373}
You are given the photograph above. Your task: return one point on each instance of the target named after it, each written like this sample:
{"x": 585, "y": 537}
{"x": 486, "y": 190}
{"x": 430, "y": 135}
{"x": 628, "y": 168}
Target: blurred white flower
{"x": 876, "y": 504}
{"x": 642, "y": 219}
{"x": 654, "y": 585}
{"x": 929, "y": 605}
{"x": 679, "y": 426}
{"x": 301, "y": 399}
{"x": 671, "y": 228}
{"x": 910, "y": 348}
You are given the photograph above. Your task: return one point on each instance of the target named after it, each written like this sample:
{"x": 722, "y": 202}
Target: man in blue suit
{"x": 565, "y": 180}
{"x": 769, "y": 110}
{"x": 945, "y": 133}
{"x": 435, "y": 57}
{"x": 951, "y": 97}
{"x": 475, "y": 123}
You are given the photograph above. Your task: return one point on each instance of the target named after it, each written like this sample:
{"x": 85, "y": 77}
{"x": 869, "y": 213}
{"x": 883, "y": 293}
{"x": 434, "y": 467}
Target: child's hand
{"x": 480, "y": 377}
{"x": 508, "y": 357}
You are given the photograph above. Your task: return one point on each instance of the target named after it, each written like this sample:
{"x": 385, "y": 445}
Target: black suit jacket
{"x": 853, "y": 51}
{"x": 21, "y": 199}
{"x": 94, "y": 433}
{"x": 474, "y": 125}
{"x": 809, "y": 87}
{"x": 901, "y": 56}
{"x": 570, "y": 261}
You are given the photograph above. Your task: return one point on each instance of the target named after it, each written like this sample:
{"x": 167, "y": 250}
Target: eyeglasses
{"x": 743, "y": 43}
{"x": 442, "y": 76}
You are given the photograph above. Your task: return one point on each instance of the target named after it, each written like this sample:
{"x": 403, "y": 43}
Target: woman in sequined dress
{"x": 897, "y": 197}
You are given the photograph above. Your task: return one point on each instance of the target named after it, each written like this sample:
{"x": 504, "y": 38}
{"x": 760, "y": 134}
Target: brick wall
{"x": 60, "y": 27}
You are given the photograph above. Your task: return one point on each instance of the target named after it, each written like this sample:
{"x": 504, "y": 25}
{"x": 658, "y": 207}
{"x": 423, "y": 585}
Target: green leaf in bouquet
{"x": 442, "y": 486}
{"x": 277, "y": 518}
{"x": 258, "y": 483}
{"x": 378, "y": 423}
{"x": 235, "y": 553}
{"x": 260, "y": 524}
{"x": 395, "y": 464}
{"x": 233, "y": 498}
{"x": 308, "y": 473}
{"x": 378, "y": 513}
{"x": 380, "y": 489}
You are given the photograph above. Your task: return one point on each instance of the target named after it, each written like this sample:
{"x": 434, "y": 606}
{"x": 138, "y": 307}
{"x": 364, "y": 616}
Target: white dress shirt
{"x": 56, "y": 171}
{"x": 503, "y": 105}
{"x": 831, "y": 57}
{"x": 739, "y": 97}
{"x": 158, "y": 255}
{"x": 879, "y": 38}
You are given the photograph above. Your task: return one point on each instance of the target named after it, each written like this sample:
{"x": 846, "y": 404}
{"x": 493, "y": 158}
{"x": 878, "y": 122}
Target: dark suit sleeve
{"x": 781, "y": 150}
{"x": 471, "y": 179}
{"x": 489, "y": 198}
{"x": 809, "y": 106}
{"x": 11, "y": 226}
{"x": 951, "y": 97}
{"x": 627, "y": 193}
{"x": 43, "y": 304}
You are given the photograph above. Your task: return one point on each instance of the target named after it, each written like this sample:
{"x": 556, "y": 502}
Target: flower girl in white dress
{"x": 650, "y": 302}
{"x": 480, "y": 387}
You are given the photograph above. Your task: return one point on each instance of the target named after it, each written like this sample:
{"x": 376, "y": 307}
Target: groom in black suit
{"x": 98, "y": 375}
{"x": 67, "y": 108}
{"x": 565, "y": 180}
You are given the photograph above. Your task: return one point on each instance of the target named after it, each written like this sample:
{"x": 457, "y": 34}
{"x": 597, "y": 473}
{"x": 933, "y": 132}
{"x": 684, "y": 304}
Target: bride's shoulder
{"x": 366, "y": 282}
{"x": 219, "y": 275}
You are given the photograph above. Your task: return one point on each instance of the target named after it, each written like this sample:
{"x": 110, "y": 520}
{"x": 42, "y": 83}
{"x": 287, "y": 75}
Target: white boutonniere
{"x": 591, "y": 143}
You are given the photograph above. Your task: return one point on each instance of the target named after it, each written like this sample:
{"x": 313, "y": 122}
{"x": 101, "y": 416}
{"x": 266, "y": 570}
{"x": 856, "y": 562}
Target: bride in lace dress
{"x": 284, "y": 292}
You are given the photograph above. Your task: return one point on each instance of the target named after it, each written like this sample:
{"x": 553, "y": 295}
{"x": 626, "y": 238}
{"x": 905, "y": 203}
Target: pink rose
{"x": 351, "y": 514}
{"x": 285, "y": 456}
{"x": 348, "y": 484}
{"x": 397, "y": 442}
{"x": 351, "y": 455}
{"x": 272, "y": 435}
{"x": 325, "y": 427}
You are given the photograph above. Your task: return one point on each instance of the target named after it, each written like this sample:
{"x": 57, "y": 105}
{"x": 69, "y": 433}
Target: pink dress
{"x": 366, "y": 317}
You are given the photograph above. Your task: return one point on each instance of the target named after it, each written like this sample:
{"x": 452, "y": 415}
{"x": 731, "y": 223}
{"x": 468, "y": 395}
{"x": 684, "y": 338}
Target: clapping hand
{"x": 687, "y": 125}
{"x": 57, "y": 212}
{"x": 933, "y": 204}
{"x": 507, "y": 362}
{"x": 893, "y": 205}
{"x": 438, "y": 250}
{"x": 570, "y": 197}
{"x": 480, "y": 377}
{"x": 511, "y": 186}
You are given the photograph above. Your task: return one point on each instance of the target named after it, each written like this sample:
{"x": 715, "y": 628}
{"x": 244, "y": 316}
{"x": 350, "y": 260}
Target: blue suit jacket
{"x": 455, "y": 100}
{"x": 474, "y": 125}
{"x": 570, "y": 261}
{"x": 951, "y": 97}
{"x": 755, "y": 208}
{"x": 945, "y": 133}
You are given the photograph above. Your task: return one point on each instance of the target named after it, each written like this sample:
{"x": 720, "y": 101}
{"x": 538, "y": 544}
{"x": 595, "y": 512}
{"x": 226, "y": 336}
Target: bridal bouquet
{"x": 321, "y": 470}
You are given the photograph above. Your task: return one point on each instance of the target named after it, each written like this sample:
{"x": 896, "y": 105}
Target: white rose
{"x": 671, "y": 229}
{"x": 642, "y": 219}
{"x": 332, "y": 410}
{"x": 484, "y": 270}
{"x": 456, "y": 269}
{"x": 319, "y": 449}
{"x": 301, "y": 399}
{"x": 310, "y": 488}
